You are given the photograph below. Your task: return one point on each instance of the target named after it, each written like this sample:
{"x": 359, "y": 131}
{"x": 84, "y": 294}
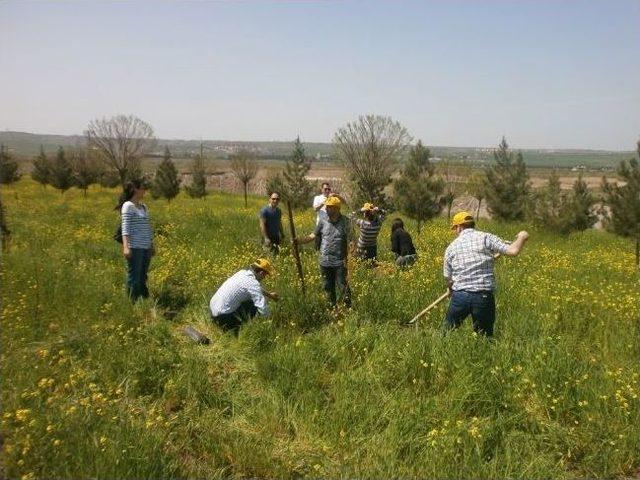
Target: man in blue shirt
{"x": 271, "y": 224}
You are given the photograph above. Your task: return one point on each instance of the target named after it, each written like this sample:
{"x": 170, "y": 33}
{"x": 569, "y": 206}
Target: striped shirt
{"x": 468, "y": 260}
{"x": 369, "y": 230}
{"x": 238, "y": 288}
{"x": 136, "y": 225}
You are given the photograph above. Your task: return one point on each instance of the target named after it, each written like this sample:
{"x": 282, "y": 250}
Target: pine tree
{"x": 275, "y": 183}
{"x": 578, "y": 210}
{"x": 296, "y": 188}
{"x": 546, "y": 207}
{"x": 624, "y": 201}
{"x": 166, "y": 182}
{"x": 41, "y": 168}
{"x": 417, "y": 190}
{"x": 198, "y": 187}
{"x": 109, "y": 178}
{"x": 61, "y": 172}
{"x": 85, "y": 169}
{"x": 507, "y": 184}
{"x": 8, "y": 167}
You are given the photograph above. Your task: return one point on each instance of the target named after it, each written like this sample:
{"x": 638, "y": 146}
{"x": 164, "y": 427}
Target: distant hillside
{"x": 28, "y": 144}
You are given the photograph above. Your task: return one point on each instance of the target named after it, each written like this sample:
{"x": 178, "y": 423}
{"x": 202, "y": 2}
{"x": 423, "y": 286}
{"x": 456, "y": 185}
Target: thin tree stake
{"x": 296, "y": 252}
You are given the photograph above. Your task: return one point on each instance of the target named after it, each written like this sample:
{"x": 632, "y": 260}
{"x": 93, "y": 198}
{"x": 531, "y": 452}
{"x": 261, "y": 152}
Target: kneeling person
{"x": 241, "y": 297}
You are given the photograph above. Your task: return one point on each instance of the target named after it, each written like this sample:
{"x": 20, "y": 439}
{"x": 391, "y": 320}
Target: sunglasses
{"x": 327, "y": 188}
{"x": 275, "y": 198}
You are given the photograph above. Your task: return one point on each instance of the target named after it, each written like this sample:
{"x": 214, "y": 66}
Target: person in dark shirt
{"x": 401, "y": 244}
{"x": 271, "y": 224}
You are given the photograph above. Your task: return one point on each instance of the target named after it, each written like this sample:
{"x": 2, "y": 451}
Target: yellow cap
{"x": 461, "y": 218}
{"x": 367, "y": 207}
{"x": 264, "y": 264}
{"x": 332, "y": 202}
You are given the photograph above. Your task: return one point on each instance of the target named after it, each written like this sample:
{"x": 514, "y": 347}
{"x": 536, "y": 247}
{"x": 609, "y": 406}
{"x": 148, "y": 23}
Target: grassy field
{"x": 94, "y": 387}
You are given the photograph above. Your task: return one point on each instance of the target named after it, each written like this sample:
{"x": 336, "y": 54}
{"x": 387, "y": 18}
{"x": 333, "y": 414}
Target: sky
{"x": 545, "y": 74}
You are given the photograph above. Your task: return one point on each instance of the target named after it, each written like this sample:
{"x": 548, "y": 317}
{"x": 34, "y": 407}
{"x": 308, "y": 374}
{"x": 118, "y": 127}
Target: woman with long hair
{"x": 137, "y": 238}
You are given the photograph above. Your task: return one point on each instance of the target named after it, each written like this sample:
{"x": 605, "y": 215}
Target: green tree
{"x": 244, "y": 165}
{"x": 85, "y": 169}
{"x": 8, "y": 167}
{"x": 623, "y": 201}
{"x": 476, "y": 188}
{"x": 275, "y": 183}
{"x": 546, "y": 206}
{"x": 507, "y": 184}
{"x": 296, "y": 188}
{"x": 41, "y": 168}
{"x": 198, "y": 187}
{"x": 578, "y": 209}
{"x": 108, "y": 178}
{"x": 417, "y": 191}
{"x": 61, "y": 172}
{"x": 5, "y": 233}
{"x": 370, "y": 150}
{"x": 166, "y": 183}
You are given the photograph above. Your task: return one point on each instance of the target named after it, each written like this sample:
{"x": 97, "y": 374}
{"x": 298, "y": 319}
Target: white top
{"x": 317, "y": 201}
{"x": 238, "y": 288}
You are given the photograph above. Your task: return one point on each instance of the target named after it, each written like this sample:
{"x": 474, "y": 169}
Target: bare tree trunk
{"x": 478, "y": 210}
{"x": 638, "y": 251}
{"x": 245, "y": 195}
{"x": 419, "y": 226}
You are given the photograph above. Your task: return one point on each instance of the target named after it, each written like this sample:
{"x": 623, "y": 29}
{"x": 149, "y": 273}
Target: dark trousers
{"x": 336, "y": 276}
{"x": 275, "y": 244}
{"x": 481, "y": 306}
{"x": 368, "y": 253}
{"x": 137, "y": 268}
{"x": 232, "y": 321}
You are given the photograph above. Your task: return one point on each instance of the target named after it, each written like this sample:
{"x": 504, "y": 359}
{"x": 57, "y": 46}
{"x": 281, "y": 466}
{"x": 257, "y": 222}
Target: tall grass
{"x": 96, "y": 387}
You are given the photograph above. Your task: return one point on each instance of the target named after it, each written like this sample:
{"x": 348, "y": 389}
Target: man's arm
{"x": 281, "y": 229}
{"x": 263, "y": 229}
{"x": 305, "y": 239}
{"x": 259, "y": 299}
{"x": 271, "y": 295}
{"x": 516, "y": 246}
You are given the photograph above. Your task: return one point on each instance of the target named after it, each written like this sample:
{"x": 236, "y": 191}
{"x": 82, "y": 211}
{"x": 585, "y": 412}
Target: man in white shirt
{"x": 241, "y": 297}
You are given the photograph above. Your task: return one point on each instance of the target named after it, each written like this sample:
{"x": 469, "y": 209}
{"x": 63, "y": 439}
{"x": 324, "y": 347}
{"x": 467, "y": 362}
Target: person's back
{"x": 401, "y": 243}
{"x": 469, "y": 260}
{"x": 240, "y": 287}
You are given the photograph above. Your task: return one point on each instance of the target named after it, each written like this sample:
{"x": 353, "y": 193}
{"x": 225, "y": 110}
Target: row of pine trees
{"x": 420, "y": 191}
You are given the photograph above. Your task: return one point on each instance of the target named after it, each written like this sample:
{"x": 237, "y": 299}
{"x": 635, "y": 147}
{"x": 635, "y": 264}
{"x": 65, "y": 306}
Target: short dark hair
{"x": 397, "y": 223}
{"x": 276, "y": 192}
{"x": 469, "y": 224}
{"x": 325, "y": 183}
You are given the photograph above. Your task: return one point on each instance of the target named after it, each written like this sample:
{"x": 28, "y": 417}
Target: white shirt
{"x": 317, "y": 201}
{"x": 468, "y": 260}
{"x": 238, "y": 288}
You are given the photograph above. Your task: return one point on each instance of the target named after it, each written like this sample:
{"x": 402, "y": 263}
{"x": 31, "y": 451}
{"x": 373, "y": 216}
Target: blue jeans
{"x": 137, "y": 268}
{"x": 481, "y": 306}
{"x": 332, "y": 276}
